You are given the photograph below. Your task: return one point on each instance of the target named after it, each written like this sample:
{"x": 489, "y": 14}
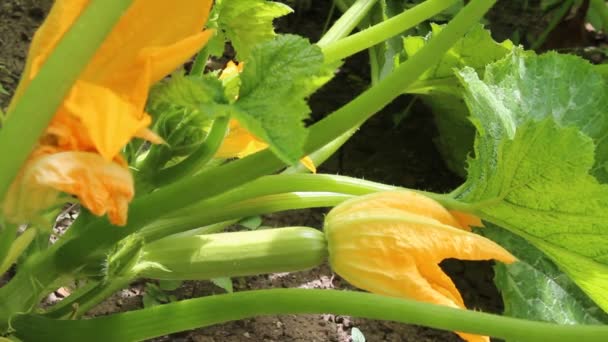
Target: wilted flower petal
{"x": 102, "y": 186}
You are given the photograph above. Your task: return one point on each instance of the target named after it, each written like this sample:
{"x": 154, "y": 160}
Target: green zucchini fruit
{"x": 233, "y": 254}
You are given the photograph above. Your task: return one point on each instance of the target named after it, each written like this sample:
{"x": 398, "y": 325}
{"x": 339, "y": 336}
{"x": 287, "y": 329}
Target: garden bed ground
{"x": 400, "y": 155}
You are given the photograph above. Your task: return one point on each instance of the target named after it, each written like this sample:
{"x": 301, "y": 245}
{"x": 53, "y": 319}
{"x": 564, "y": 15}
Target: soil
{"x": 399, "y": 154}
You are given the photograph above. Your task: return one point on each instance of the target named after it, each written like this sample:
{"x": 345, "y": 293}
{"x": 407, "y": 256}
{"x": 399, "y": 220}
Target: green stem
{"x": 34, "y": 110}
{"x": 7, "y": 238}
{"x": 200, "y": 61}
{"x": 276, "y": 184}
{"x": 202, "y": 312}
{"x": 199, "y": 158}
{"x": 342, "y": 6}
{"x": 600, "y": 7}
{"x": 69, "y": 306}
{"x": 371, "y": 101}
{"x": 380, "y": 32}
{"x": 319, "y": 156}
{"x": 556, "y": 19}
{"x": 256, "y": 206}
{"x": 347, "y": 22}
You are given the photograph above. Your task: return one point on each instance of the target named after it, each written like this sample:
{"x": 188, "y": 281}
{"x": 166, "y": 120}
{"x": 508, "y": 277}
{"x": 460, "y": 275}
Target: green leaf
{"x": 204, "y": 95}
{"x": 277, "y": 78}
{"x": 252, "y": 222}
{"x": 225, "y": 283}
{"x": 442, "y": 92}
{"x": 476, "y": 49}
{"x": 530, "y": 173}
{"x": 149, "y": 301}
{"x": 246, "y": 23}
{"x": 534, "y": 288}
{"x": 169, "y": 285}
{"x": 564, "y": 87}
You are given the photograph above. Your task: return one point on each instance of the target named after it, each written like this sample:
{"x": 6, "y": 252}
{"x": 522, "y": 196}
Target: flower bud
{"x": 391, "y": 243}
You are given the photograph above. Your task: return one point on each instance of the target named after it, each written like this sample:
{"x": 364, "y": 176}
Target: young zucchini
{"x": 233, "y": 254}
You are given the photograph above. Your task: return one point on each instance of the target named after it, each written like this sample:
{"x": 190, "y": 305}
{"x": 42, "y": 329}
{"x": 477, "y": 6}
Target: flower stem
{"x": 380, "y": 32}
{"x": 199, "y": 158}
{"x": 255, "y": 206}
{"x": 30, "y": 116}
{"x": 202, "y": 312}
{"x": 371, "y": 101}
{"x": 347, "y": 22}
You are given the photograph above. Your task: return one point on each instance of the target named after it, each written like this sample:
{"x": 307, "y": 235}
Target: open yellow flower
{"x": 391, "y": 243}
{"x": 240, "y": 142}
{"x": 79, "y": 152}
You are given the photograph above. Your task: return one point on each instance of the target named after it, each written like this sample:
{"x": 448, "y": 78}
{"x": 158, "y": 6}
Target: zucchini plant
{"x": 163, "y": 161}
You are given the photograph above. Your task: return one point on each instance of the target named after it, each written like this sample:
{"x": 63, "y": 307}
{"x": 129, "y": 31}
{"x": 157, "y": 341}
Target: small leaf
{"x": 149, "y": 301}
{"x": 252, "y": 222}
{"x": 202, "y": 94}
{"x": 225, "y": 283}
{"x": 169, "y": 285}
{"x": 276, "y": 80}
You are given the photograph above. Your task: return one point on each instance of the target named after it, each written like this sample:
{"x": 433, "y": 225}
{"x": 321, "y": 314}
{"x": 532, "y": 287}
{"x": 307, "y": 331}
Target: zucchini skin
{"x": 233, "y": 254}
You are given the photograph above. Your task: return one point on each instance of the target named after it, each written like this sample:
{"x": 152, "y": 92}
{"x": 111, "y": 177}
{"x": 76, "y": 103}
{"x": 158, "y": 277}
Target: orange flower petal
{"x": 110, "y": 120}
{"x": 147, "y": 23}
{"x": 231, "y": 69}
{"x": 309, "y": 164}
{"x": 61, "y": 16}
{"x": 239, "y": 142}
{"x": 466, "y": 220}
{"x": 409, "y": 201}
{"x": 391, "y": 243}
{"x": 166, "y": 59}
{"x": 101, "y": 186}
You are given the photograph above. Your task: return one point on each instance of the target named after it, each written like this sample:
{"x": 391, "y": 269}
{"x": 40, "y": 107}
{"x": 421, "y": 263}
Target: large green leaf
{"x": 564, "y": 87}
{"x": 276, "y": 79}
{"x": 534, "y": 288}
{"x": 531, "y": 171}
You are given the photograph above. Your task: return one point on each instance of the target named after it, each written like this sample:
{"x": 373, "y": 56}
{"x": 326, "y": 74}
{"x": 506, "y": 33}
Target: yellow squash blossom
{"x": 240, "y": 142}
{"x": 391, "y": 243}
{"x": 79, "y": 152}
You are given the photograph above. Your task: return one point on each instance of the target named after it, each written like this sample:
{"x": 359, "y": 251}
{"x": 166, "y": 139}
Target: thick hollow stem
{"x": 201, "y": 312}
{"x": 347, "y": 22}
{"x": 380, "y": 32}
